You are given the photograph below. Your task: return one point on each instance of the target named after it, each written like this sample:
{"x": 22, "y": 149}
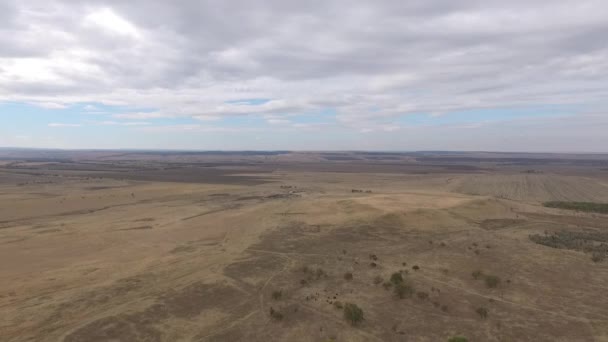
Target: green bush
{"x": 598, "y": 256}
{"x": 396, "y": 278}
{"x": 482, "y": 312}
{"x": 458, "y": 339}
{"x": 422, "y": 295}
{"x": 403, "y": 290}
{"x": 276, "y": 295}
{"x": 492, "y": 281}
{"x": 353, "y": 313}
{"x": 320, "y": 273}
{"x": 275, "y": 314}
{"x": 348, "y": 276}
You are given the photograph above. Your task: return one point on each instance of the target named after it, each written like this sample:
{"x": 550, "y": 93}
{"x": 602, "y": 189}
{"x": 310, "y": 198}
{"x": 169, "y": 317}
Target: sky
{"x": 387, "y": 75}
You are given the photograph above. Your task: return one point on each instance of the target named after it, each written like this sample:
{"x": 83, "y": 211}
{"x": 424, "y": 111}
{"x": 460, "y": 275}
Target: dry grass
{"x": 212, "y": 267}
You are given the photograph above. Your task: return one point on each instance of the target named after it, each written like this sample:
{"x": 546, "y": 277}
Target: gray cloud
{"x": 371, "y": 61}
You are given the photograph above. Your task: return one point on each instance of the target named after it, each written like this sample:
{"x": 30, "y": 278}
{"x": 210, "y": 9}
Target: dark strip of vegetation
{"x": 593, "y": 242}
{"x": 590, "y": 207}
{"x": 458, "y": 339}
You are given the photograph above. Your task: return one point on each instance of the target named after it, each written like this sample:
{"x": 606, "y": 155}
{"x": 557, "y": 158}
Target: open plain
{"x": 270, "y": 246}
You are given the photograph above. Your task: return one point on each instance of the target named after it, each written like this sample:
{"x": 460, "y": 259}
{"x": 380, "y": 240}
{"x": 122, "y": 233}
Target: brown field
{"x": 169, "y": 246}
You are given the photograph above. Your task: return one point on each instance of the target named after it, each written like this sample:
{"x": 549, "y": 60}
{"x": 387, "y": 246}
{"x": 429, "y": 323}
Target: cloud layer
{"x": 370, "y": 63}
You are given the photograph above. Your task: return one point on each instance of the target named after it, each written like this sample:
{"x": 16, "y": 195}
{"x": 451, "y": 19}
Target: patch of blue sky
{"x": 21, "y": 115}
{"x": 250, "y": 102}
{"x": 258, "y": 121}
{"x": 318, "y": 116}
{"x": 488, "y": 115}
{"x": 250, "y": 121}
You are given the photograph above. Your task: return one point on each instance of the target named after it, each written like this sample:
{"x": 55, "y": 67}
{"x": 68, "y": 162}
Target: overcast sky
{"x": 518, "y": 75}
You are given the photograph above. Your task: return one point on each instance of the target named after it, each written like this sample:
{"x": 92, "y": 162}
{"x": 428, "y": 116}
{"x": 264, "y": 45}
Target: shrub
{"x": 458, "y": 339}
{"x": 275, "y": 314}
{"x": 416, "y": 267}
{"x": 373, "y": 264}
{"x": 348, "y": 276}
{"x": 378, "y": 280}
{"x": 476, "y": 274}
{"x": 482, "y": 312}
{"x": 320, "y": 273}
{"x": 396, "y": 278}
{"x": 598, "y": 256}
{"x": 403, "y": 290}
{"x": 338, "y": 304}
{"x": 276, "y": 295}
{"x": 353, "y": 313}
{"x": 423, "y": 295}
{"x": 492, "y": 281}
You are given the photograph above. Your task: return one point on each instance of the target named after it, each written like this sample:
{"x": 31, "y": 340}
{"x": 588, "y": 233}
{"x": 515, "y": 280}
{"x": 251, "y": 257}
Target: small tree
{"x": 353, "y": 313}
{"x": 320, "y": 273}
{"x": 476, "y": 274}
{"x": 396, "y": 278}
{"x": 403, "y": 290}
{"x": 492, "y": 281}
{"x": 423, "y": 295}
{"x": 598, "y": 256}
{"x": 275, "y": 314}
{"x": 458, "y": 339}
{"x": 482, "y": 312}
{"x": 276, "y": 295}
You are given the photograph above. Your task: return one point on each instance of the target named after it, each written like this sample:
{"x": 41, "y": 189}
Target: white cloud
{"x": 109, "y": 21}
{"x": 51, "y": 105}
{"x": 370, "y": 62}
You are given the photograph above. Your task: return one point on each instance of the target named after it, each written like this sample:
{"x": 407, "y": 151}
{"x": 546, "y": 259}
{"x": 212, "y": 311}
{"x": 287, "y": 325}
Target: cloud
{"x": 50, "y": 105}
{"x": 370, "y": 62}
{"x": 108, "y": 21}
